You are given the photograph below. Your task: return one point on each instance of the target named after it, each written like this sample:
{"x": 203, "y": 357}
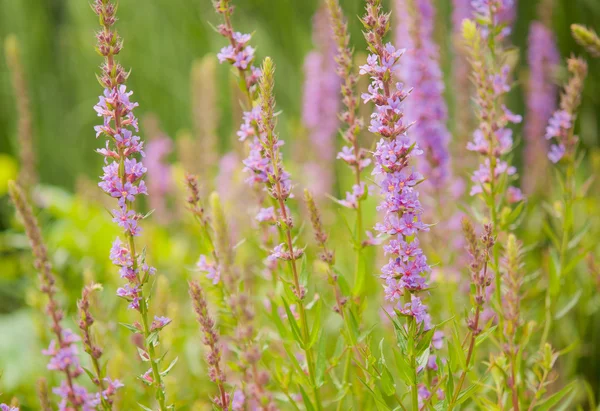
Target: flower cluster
{"x": 421, "y": 71}
{"x": 241, "y": 56}
{"x": 63, "y": 357}
{"x": 123, "y": 180}
{"x": 404, "y": 274}
{"x": 560, "y": 125}
{"x": 123, "y": 173}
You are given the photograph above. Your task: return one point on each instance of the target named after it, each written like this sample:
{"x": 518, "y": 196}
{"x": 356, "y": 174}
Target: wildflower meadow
{"x": 242, "y": 205}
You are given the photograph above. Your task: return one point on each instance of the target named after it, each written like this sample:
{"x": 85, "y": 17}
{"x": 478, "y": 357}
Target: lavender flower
{"x": 123, "y": 178}
{"x": 4, "y": 407}
{"x": 404, "y": 275}
{"x": 241, "y": 56}
{"x": 62, "y": 349}
{"x": 421, "y": 71}
{"x": 321, "y": 102}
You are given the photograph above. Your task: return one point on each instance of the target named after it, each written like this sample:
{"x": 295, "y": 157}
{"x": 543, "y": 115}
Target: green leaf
{"x": 449, "y": 381}
{"x": 579, "y": 236}
{"x": 387, "y": 382}
{"x": 553, "y": 274}
{"x": 292, "y": 320}
{"x": 514, "y": 214}
{"x": 379, "y": 402}
{"x": 550, "y": 233}
{"x": 342, "y": 282}
{"x": 386, "y": 379}
{"x": 458, "y": 350}
{"x": 321, "y": 363}
{"x": 166, "y": 371}
{"x": 466, "y": 394}
{"x": 484, "y": 335}
{"x": 300, "y": 372}
{"x": 573, "y": 261}
{"x": 144, "y": 407}
{"x": 425, "y": 341}
{"x": 152, "y": 338}
{"x": 130, "y": 327}
{"x": 306, "y": 399}
{"x": 89, "y": 374}
{"x": 422, "y": 359}
{"x": 304, "y": 271}
{"x": 283, "y": 331}
{"x": 572, "y": 303}
{"x": 405, "y": 371}
{"x": 316, "y": 329}
{"x": 555, "y": 398}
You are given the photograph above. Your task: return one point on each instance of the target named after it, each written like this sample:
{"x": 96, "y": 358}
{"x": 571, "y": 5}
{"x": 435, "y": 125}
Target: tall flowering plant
{"x": 493, "y": 139}
{"x": 269, "y": 169}
{"x": 563, "y": 154}
{"x": 123, "y": 180}
{"x": 405, "y": 274}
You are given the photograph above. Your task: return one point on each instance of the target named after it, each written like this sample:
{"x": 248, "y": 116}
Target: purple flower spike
{"x": 405, "y": 273}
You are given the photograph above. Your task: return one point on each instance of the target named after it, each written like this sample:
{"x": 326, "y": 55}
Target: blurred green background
{"x": 164, "y": 37}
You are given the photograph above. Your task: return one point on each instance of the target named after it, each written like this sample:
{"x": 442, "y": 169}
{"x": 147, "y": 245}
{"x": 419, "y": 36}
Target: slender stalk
{"x": 474, "y": 331}
{"x": 470, "y": 355}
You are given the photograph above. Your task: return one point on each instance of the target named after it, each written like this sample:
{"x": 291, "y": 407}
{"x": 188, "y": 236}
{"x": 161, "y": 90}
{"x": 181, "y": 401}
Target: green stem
{"x": 160, "y": 395}
{"x": 567, "y": 215}
{"x": 345, "y": 377}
